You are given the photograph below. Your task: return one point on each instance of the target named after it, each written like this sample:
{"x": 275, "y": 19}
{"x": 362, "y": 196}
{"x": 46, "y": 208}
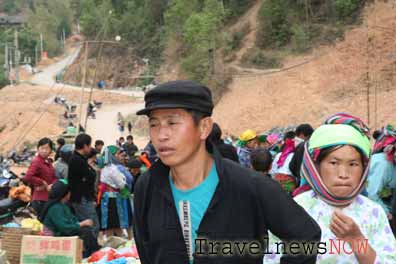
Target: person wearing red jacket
{"x": 41, "y": 174}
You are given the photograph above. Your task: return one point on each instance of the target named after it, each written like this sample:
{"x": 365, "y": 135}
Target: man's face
{"x": 130, "y": 141}
{"x": 99, "y": 148}
{"x": 175, "y": 136}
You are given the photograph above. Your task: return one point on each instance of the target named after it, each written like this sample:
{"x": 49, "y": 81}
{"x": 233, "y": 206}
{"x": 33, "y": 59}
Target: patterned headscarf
{"x": 347, "y": 119}
{"x": 386, "y": 143}
{"x": 332, "y": 134}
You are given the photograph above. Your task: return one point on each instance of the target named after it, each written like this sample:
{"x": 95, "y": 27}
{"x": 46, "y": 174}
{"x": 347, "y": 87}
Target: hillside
{"x": 28, "y": 112}
{"x": 329, "y": 79}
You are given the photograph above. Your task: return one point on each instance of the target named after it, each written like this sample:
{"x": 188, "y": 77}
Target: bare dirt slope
{"x": 27, "y": 112}
{"x": 330, "y": 79}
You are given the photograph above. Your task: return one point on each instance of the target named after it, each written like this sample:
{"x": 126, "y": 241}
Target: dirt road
{"x": 105, "y": 127}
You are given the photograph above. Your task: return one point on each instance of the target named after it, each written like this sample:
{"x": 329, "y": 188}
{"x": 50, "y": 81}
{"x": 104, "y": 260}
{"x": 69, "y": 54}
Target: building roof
{"x": 17, "y": 19}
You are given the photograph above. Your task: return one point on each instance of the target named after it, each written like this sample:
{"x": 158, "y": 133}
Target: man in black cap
{"x": 194, "y": 206}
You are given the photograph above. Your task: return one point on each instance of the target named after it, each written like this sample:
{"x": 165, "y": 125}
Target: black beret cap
{"x": 179, "y": 94}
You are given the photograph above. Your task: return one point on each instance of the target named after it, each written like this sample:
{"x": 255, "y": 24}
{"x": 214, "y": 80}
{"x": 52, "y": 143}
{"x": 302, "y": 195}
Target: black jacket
{"x": 244, "y": 207}
{"x": 227, "y": 151}
{"x": 81, "y": 179}
{"x": 130, "y": 149}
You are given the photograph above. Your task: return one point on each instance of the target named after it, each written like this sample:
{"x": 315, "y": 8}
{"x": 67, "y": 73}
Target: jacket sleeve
{"x": 286, "y": 220}
{"x": 32, "y": 175}
{"x": 380, "y": 174}
{"x": 139, "y": 200}
{"x": 67, "y": 225}
{"x": 73, "y": 173}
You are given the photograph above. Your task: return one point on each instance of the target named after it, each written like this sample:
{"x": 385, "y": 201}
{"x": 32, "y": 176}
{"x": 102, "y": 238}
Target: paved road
{"x": 48, "y": 74}
{"x": 104, "y": 127}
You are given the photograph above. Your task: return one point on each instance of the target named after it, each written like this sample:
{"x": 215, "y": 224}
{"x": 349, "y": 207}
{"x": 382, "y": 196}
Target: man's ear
{"x": 206, "y": 125}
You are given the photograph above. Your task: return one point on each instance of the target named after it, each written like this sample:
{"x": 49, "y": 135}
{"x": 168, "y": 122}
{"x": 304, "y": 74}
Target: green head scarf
{"x": 334, "y": 135}
{"x": 339, "y": 130}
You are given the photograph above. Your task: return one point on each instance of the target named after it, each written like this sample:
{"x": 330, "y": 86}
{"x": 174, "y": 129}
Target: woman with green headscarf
{"x": 335, "y": 165}
{"x": 114, "y": 193}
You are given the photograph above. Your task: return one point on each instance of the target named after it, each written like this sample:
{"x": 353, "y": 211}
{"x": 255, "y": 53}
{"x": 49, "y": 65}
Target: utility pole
{"x": 6, "y": 65}
{"x": 64, "y": 38}
{"x": 41, "y": 45}
{"x": 82, "y": 86}
{"x": 16, "y": 57}
{"x": 10, "y": 64}
{"x": 36, "y": 55}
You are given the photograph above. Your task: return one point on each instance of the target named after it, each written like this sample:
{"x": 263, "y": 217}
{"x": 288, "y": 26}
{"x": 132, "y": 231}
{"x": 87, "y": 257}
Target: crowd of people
{"x": 82, "y": 190}
{"x": 306, "y": 184}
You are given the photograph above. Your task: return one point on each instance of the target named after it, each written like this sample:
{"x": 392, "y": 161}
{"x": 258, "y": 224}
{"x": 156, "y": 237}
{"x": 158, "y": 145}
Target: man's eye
{"x": 153, "y": 125}
{"x": 333, "y": 163}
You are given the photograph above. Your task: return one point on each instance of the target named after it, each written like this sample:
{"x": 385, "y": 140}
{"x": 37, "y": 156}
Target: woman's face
{"x": 44, "y": 151}
{"x": 252, "y": 144}
{"x": 67, "y": 197}
{"x": 120, "y": 156}
{"x": 341, "y": 170}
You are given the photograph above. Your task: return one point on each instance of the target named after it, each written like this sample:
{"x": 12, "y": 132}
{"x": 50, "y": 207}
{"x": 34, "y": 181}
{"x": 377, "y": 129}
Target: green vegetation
{"x": 257, "y": 58}
{"x": 303, "y": 23}
{"x": 49, "y": 18}
{"x": 146, "y": 26}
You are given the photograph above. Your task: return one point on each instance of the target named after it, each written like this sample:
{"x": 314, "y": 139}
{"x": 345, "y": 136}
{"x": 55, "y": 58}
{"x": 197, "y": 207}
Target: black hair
{"x": 305, "y": 129}
{"x": 197, "y": 116}
{"x": 82, "y": 140}
{"x": 215, "y": 135}
{"x": 261, "y": 160}
{"x": 289, "y": 135}
{"x": 377, "y": 134}
{"x": 134, "y": 164}
{"x": 61, "y": 141}
{"x": 65, "y": 156}
{"x": 121, "y": 138}
{"x": 99, "y": 143}
{"x": 92, "y": 153}
{"x": 130, "y": 137}
{"x": 45, "y": 141}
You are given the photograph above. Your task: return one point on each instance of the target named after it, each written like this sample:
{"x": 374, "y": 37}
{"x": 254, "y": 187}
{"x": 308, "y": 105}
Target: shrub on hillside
{"x": 274, "y": 27}
{"x": 258, "y": 59}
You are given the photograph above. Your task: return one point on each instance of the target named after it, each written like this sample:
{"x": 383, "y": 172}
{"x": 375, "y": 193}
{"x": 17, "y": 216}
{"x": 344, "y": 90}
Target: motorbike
{"x": 60, "y": 100}
{"x": 25, "y": 157}
{"x": 9, "y": 208}
{"x": 97, "y": 104}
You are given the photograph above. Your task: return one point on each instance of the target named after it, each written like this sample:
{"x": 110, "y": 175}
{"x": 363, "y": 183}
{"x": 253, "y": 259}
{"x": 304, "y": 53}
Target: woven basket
{"x": 11, "y": 241}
